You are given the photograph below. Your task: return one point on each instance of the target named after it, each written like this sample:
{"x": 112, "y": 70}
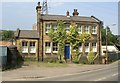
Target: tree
{"x": 7, "y": 35}
{"x": 59, "y": 37}
{"x": 84, "y": 37}
{"x": 75, "y": 38}
{"x": 72, "y": 37}
{"x": 112, "y": 39}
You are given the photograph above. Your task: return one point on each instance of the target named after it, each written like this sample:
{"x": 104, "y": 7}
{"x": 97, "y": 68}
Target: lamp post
{"x": 107, "y": 61}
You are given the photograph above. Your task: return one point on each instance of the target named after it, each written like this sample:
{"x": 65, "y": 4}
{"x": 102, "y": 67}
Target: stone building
{"x": 39, "y": 41}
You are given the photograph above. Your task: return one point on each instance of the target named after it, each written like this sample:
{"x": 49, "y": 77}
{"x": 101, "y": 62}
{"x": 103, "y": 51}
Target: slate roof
{"x": 70, "y": 18}
{"x": 27, "y": 34}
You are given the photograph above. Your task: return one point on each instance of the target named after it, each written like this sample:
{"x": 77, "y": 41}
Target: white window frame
{"x": 94, "y": 29}
{"x": 32, "y": 47}
{"x": 86, "y": 29}
{"x": 56, "y": 47}
{"x": 54, "y": 27}
{"x": 24, "y": 47}
{"x": 87, "y": 48}
{"x": 94, "y": 47}
{"x": 47, "y": 47}
{"x": 80, "y": 48}
{"x": 67, "y": 29}
{"x": 80, "y": 29}
{"x": 47, "y": 27}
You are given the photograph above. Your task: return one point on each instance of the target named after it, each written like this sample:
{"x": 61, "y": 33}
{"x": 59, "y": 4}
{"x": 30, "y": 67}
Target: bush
{"x": 84, "y": 62}
{"x": 91, "y": 57}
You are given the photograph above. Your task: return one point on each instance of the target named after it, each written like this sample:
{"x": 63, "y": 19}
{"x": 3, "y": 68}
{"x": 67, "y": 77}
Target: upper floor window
{"x": 80, "y": 29}
{"x": 67, "y": 28}
{"x": 93, "y": 29}
{"x": 54, "y": 27}
{"x": 86, "y": 28}
{"x": 47, "y": 28}
{"x": 55, "y": 47}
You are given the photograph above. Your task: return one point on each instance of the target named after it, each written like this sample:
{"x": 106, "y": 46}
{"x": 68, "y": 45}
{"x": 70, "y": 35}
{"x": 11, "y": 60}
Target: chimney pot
{"x": 75, "y": 13}
{"x": 38, "y": 3}
{"x": 67, "y": 13}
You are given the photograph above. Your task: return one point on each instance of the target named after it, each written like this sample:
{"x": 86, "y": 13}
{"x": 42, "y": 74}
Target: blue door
{"x": 67, "y": 51}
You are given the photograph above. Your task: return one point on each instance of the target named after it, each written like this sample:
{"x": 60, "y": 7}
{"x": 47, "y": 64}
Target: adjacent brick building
{"x": 39, "y": 41}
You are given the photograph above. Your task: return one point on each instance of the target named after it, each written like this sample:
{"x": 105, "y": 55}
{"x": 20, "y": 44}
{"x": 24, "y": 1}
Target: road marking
{"x": 100, "y": 79}
{"x": 106, "y": 77}
{"x": 115, "y": 74}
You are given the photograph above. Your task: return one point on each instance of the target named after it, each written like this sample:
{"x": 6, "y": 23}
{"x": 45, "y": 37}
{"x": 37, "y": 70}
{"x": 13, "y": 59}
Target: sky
{"x": 23, "y": 14}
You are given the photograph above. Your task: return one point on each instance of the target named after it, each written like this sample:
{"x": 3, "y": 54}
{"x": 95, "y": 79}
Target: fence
{"x": 113, "y": 56}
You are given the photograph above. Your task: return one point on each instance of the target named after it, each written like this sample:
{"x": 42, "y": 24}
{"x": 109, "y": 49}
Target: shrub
{"x": 91, "y": 57}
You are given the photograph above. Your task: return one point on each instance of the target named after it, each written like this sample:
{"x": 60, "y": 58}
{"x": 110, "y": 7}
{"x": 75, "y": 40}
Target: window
{"x": 54, "y": 27}
{"x": 80, "y": 29}
{"x": 94, "y": 47}
{"x": 32, "y": 47}
{"x": 80, "y": 47}
{"x": 93, "y": 29}
{"x": 86, "y": 29}
{"x": 24, "y": 47}
{"x": 67, "y": 28}
{"x": 55, "y": 47}
{"x": 47, "y": 47}
{"x": 47, "y": 28}
{"x": 87, "y": 47}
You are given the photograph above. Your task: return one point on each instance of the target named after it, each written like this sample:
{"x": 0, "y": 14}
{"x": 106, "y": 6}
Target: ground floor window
{"x": 94, "y": 47}
{"x": 47, "y": 47}
{"x": 87, "y": 48}
{"x": 32, "y": 47}
{"x": 55, "y": 47}
{"x": 80, "y": 47}
{"x": 24, "y": 47}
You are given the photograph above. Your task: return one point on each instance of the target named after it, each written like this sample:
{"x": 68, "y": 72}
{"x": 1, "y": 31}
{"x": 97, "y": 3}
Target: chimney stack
{"x": 75, "y": 13}
{"x": 38, "y": 9}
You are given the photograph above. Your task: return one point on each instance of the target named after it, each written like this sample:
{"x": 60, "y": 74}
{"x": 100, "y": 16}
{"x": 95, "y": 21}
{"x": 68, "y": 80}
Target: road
{"x": 109, "y": 73}
{"x": 73, "y": 72}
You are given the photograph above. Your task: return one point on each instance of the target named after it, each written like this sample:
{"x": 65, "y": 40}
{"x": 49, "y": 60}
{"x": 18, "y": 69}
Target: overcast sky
{"x": 23, "y": 14}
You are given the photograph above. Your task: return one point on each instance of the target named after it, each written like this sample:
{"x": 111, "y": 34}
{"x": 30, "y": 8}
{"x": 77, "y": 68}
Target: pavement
{"x": 34, "y": 72}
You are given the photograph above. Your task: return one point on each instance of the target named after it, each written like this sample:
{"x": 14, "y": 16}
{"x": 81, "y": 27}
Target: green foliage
{"x": 97, "y": 55}
{"x": 72, "y": 38}
{"x": 76, "y": 58}
{"x": 84, "y": 37}
{"x": 84, "y": 62}
{"x": 91, "y": 57}
{"x": 112, "y": 39}
{"x": 59, "y": 36}
{"x": 7, "y": 35}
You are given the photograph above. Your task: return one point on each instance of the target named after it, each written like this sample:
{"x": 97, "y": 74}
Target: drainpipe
{"x": 42, "y": 41}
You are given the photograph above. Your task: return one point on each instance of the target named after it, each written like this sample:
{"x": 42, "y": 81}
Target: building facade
{"x": 43, "y": 43}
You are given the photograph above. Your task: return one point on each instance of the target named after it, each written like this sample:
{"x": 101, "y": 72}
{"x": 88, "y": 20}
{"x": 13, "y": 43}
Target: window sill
{"x": 32, "y": 52}
{"x": 55, "y": 51}
{"x": 24, "y": 52}
{"x": 47, "y": 52}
